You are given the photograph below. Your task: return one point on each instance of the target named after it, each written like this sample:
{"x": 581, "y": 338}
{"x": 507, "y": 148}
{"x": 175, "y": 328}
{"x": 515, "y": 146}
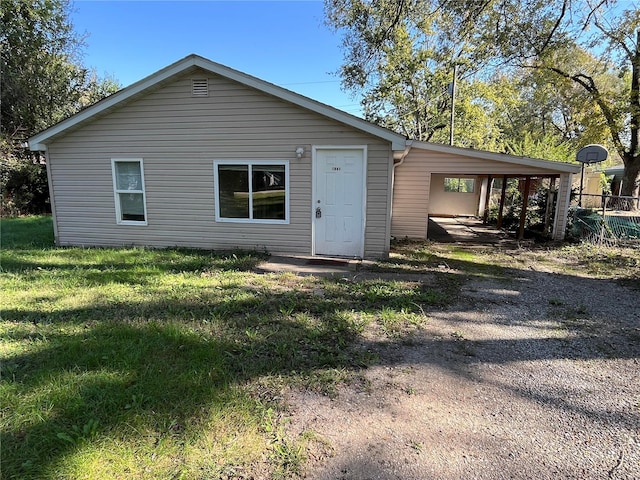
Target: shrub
{"x": 23, "y": 182}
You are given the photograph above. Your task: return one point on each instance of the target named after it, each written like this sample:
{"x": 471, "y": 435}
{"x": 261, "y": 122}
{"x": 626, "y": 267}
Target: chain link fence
{"x": 606, "y": 220}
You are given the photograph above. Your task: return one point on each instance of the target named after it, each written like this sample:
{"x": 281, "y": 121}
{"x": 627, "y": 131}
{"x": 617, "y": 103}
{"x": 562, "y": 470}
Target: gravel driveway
{"x": 535, "y": 376}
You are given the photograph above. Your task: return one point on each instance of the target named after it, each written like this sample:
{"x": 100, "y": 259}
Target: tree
{"x": 608, "y": 78}
{"x": 43, "y": 81}
{"x": 411, "y": 94}
{"x": 408, "y": 96}
{"x": 580, "y": 57}
{"x": 402, "y": 58}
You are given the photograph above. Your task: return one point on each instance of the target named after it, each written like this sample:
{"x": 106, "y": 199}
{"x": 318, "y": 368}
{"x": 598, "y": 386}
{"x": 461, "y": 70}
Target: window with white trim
{"x": 460, "y": 185}
{"x": 128, "y": 189}
{"x": 255, "y": 191}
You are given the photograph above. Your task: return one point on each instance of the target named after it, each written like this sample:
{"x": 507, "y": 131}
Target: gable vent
{"x": 200, "y": 87}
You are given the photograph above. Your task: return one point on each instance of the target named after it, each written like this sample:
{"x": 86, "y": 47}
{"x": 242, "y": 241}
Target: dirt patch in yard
{"x": 535, "y": 374}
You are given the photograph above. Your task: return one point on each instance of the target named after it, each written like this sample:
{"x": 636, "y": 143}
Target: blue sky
{"x": 283, "y": 42}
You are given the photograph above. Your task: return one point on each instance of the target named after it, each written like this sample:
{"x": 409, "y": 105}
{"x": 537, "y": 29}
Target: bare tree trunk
{"x": 631, "y": 177}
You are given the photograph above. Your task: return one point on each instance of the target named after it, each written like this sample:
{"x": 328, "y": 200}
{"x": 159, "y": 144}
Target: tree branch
{"x": 614, "y": 39}
{"x": 394, "y": 23}
{"x": 590, "y": 86}
{"x": 554, "y": 29}
{"x": 585, "y": 25}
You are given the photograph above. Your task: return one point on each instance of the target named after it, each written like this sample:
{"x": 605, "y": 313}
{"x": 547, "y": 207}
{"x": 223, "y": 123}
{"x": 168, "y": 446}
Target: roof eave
{"x": 499, "y": 157}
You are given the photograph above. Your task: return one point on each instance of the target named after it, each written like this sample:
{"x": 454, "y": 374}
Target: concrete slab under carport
{"x": 465, "y": 230}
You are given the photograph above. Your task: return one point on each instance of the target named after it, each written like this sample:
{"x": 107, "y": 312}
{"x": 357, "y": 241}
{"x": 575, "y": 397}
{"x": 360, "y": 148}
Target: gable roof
{"x": 497, "y": 157}
{"x": 399, "y": 143}
{"x": 39, "y": 141}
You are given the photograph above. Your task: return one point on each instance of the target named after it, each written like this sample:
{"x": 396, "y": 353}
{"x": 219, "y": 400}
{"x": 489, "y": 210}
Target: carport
{"x": 440, "y": 180}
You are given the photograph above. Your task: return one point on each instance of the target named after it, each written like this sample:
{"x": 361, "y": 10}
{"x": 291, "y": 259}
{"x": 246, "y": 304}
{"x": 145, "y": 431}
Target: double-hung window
{"x": 254, "y": 191}
{"x": 128, "y": 189}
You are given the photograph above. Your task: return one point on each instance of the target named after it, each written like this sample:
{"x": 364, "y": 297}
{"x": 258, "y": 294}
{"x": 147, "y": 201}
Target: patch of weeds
{"x": 326, "y": 380}
{"x": 79, "y": 434}
{"x": 311, "y": 436}
{"x": 574, "y": 317}
{"x": 391, "y": 321}
{"x": 408, "y": 257}
{"x": 287, "y": 308}
{"x": 287, "y": 456}
{"x": 575, "y": 313}
{"x": 556, "y": 302}
{"x": 457, "y": 335}
{"x": 396, "y": 323}
{"x": 364, "y": 359}
{"x": 372, "y": 295}
{"x": 621, "y": 263}
{"x": 9, "y": 370}
{"x": 422, "y": 253}
{"x": 464, "y": 255}
{"x": 136, "y": 402}
{"x": 423, "y": 257}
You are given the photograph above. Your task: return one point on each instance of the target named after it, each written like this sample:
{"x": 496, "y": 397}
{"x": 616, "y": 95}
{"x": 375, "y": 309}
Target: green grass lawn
{"x": 142, "y": 363}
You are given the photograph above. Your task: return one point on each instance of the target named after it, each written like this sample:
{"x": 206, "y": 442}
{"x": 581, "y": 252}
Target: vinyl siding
{"x": 411, "y": 187}
{"x": 179, "y": 137}
{"x": 413, "y": 179}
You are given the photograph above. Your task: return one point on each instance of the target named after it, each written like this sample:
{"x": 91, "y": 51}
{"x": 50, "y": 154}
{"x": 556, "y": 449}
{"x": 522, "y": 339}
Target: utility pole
{"x": 453, "y": 103}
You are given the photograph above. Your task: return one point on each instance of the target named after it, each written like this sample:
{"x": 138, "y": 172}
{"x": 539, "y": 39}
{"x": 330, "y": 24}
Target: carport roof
{"x": 560, "y": 167}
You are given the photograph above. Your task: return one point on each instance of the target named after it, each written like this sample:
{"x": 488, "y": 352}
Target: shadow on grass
{"x": 131, "y": 265}
{"x": 27, "y": 245}
{"x": 114, "y": 369}
{"x": 122, "y": 368}
{"x": 119, "y": 378}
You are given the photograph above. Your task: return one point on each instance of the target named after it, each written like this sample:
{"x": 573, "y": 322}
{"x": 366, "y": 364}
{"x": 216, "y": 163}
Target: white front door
{"x": 338, "y": 201}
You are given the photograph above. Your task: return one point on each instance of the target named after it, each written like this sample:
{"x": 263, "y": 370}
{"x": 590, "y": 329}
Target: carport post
{"x": 562, "y": 206}
{"x": 485, "y": 216}
{"x": 550, "y": 199}
{"x": 503, "y": 195}
{"x": 525, "y": 202}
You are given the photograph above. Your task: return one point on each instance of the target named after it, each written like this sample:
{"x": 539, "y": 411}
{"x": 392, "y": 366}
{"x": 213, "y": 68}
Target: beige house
{"x": 201, "y": 155}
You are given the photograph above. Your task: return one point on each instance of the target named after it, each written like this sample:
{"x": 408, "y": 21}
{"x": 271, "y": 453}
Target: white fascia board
{"x": 498, "y": 157}
{"x": 38, "y": 141}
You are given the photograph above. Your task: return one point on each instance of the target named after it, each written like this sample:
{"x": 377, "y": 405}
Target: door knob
{"x": 318, "y": 212}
